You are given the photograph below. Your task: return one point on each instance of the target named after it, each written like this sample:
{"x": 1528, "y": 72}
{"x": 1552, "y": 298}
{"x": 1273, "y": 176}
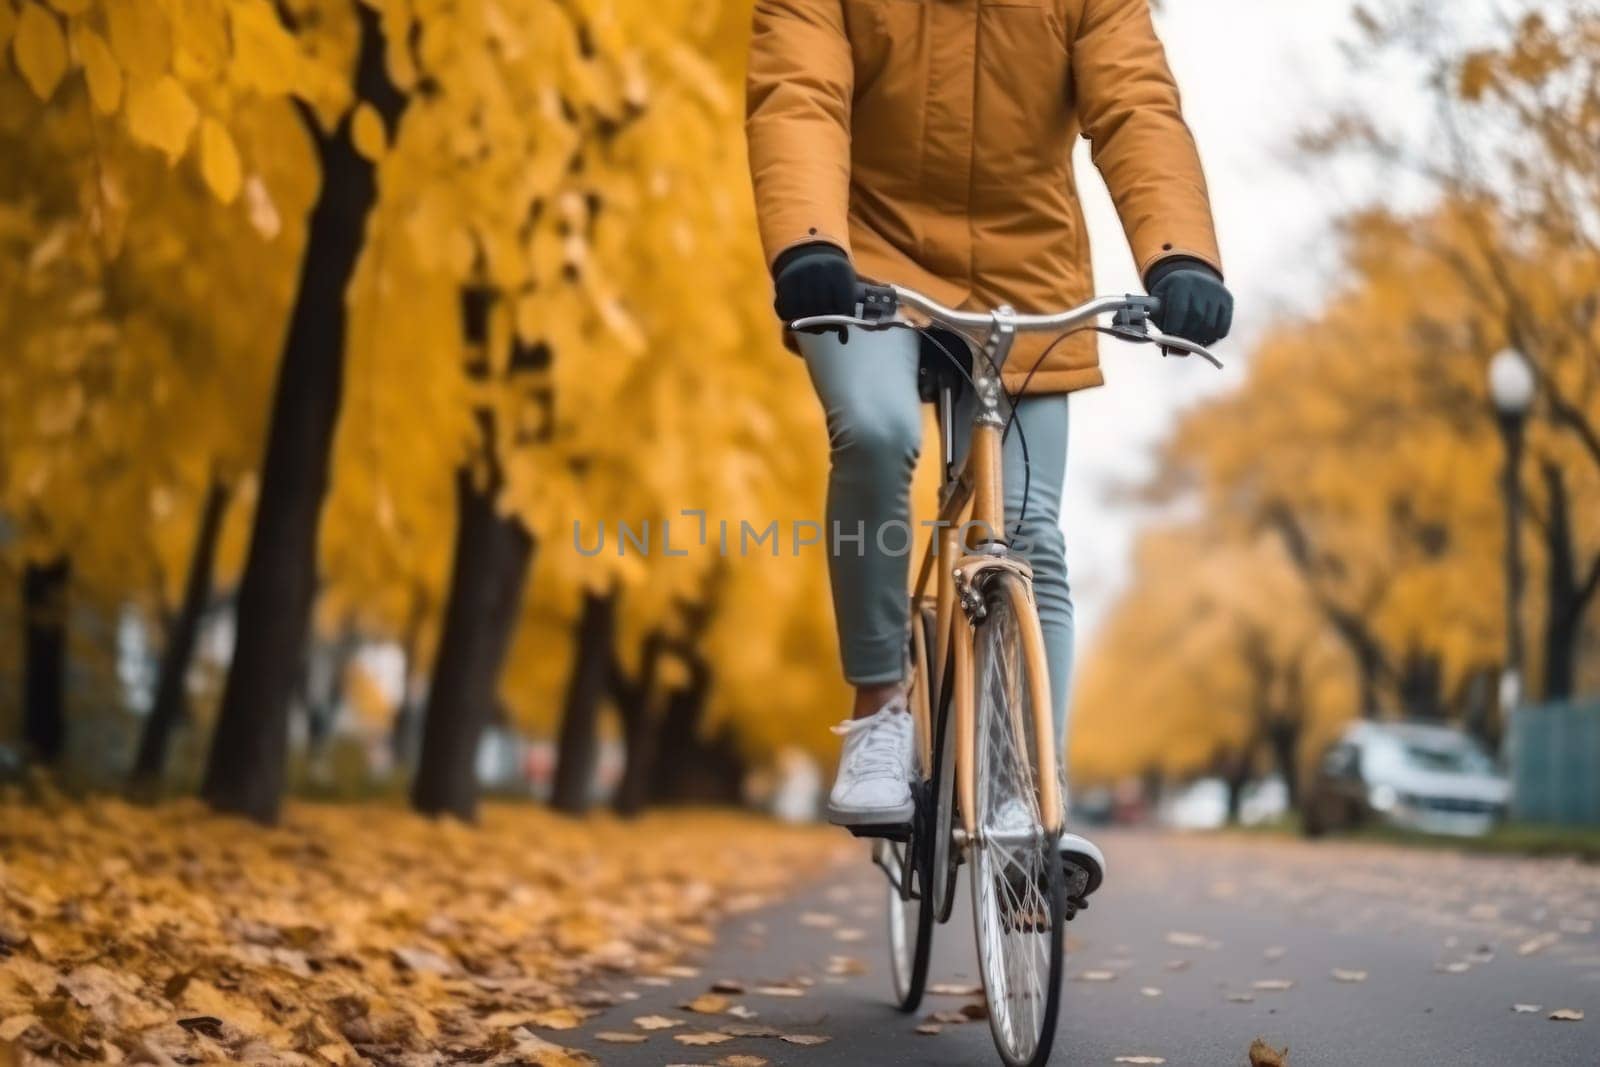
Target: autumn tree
{"x": 132, "y": 394}
{"x": 1217, "y": 660}
{"x": 1514, "y": 157}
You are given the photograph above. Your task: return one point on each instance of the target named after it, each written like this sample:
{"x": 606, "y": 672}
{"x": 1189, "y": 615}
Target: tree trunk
{"x": 636, "y": 702}
{"x": 493, "y": 555}
{"x": 171, "y": 701}
{"x": 44, "y": 659}
{"x": 1421, "y": 685}
{"x": 1283, "y": 737}
{"x": 249, "y": 752}
{"x": 692, "y": 769}
{"x": 578, "y": 745}
{"x": 1476, "y": 703}
{"x": 1565, "y": 599}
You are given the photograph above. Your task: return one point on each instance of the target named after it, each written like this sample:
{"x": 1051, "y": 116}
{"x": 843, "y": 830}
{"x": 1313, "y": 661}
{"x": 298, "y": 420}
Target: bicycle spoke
{"x": 1016, "y": 876}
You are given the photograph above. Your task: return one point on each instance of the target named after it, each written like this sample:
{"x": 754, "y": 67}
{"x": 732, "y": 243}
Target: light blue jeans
{"x": 868, "y": 388}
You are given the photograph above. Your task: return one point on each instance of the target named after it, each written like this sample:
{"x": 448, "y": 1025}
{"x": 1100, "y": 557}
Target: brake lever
{"x": 1149, "y": 335}
{"x": 1171, "y": 345}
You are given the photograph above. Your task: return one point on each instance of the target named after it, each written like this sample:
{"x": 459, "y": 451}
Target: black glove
{"x": 814, "y": 279}
{"x": 1195, "y": 305}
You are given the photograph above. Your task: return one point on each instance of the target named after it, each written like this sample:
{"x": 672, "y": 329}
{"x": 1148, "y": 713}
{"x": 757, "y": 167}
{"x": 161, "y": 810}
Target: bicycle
{"x": 980, "y": 693}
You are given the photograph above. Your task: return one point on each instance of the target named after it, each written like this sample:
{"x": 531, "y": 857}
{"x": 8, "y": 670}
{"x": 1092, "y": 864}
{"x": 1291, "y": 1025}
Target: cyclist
{"x": 928, "y": 143}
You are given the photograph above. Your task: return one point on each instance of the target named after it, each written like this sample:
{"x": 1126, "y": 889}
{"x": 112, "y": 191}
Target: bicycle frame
{"x": 975, "y": 493}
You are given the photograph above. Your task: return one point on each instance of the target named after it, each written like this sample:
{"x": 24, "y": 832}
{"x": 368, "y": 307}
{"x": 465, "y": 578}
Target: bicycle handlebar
{"x": 881, "y": 307}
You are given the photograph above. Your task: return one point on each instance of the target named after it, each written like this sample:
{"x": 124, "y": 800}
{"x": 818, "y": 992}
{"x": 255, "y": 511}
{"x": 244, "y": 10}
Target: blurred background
{"x": 358, "y": 359}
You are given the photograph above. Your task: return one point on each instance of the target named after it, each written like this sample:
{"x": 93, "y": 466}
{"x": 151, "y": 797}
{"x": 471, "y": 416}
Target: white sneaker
{"x": 875, "y": 770}
{"x": 1090, "y": 863}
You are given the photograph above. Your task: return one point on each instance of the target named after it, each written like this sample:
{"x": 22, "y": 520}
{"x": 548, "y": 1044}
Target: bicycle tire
{"x": 911, "y": 902}
{"x": 1018, "y": 890}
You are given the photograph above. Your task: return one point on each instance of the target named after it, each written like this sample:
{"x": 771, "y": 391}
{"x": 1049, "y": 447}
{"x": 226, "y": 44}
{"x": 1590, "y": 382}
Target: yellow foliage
{"x": 366, "y": 132}
{"x": 161, "y": 114}
{"x": 40, "y": 49}
{"x": 219, "y": 161}
{"x": 100, "y": 68}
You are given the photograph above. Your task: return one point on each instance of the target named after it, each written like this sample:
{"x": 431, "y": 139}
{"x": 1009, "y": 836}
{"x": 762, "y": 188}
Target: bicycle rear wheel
{"x": 1018, "y": 895}
{"x": 910, "y": 864}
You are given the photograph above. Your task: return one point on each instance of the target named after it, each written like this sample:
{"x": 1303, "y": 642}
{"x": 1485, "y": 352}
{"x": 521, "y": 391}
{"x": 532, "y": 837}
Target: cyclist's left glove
{"x": 1195, "y": 305}
{"x": 814, "y": 279}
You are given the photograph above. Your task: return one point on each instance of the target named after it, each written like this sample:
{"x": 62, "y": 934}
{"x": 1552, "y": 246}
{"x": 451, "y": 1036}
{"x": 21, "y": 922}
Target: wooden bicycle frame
{"x": 967, "y": 541}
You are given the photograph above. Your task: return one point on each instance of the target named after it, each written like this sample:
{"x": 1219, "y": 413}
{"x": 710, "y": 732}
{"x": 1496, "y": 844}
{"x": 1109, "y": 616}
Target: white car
{"x": 1417, "y": 776}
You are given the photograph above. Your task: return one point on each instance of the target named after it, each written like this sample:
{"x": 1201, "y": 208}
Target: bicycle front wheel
{"x": 1018, "y": 896}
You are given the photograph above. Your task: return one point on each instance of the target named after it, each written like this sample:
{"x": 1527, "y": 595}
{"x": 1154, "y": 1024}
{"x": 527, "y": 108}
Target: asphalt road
{"x": 1347, "y": 954}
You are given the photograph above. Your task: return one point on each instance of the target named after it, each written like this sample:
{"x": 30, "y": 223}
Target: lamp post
{"x": 1511, "y": 389}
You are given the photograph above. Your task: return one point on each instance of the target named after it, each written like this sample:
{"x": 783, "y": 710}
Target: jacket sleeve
{"x": 1128, "y": 103}
{"x": 797, "y": 122}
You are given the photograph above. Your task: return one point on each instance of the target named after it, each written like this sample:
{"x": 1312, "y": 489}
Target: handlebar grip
{"x": 878, "y": 302}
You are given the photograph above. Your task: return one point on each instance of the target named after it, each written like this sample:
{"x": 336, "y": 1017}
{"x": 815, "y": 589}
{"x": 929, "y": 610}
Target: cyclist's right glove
{"x": 1195, "y": 305}
{"x": 814, "y": 279}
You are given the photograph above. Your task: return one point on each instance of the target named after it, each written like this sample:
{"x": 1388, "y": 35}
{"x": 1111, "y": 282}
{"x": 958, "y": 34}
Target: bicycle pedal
{"x": 900, "y": 832}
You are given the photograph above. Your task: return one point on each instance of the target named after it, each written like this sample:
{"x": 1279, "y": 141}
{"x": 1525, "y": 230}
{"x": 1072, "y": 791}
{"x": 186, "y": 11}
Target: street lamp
{"x": 1511, "y": 389}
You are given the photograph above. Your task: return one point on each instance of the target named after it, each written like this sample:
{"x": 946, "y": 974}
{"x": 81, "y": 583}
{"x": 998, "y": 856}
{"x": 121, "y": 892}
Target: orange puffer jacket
{"x": 932, "y": 140}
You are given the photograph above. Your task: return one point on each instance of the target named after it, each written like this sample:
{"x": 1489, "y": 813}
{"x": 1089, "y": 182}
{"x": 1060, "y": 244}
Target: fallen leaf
{"x": 1458, "y": 967}
{"x": 541, "y": 1053}
{"x": 1184, "y": 940}
{"x": 849, "y": 935}
{"x": 557, "y": 1019}
{"x": 727, "y": 985}
{"x": 1273, "y": 985}
{"x": 1140, "y": 1059}
{"x": 1526, "y": 1009}
{"x": 12, "y": 1028}
{"x": 929, "y": 1029}
{"x": 617, "y": 1037}
{"x": 806, "y": 1040}
{"x": 742, "y": 1059}
{"x": 1241, "y": 998}
{"x": 1535, "y": 945}
{"x": 1264, "y": 1055}
{"x": 1095, "y": 976}
{"x": 779, "y": 991}
{"x": 1149, "y": 991}
{"x": 706, "y": 1004}
{"x": 740, "y": 1011}
{"x": 749, "y": 1030}
{"x": 1341, "y": 975}
{"x": 819, "y": 920}
{"x": 1566, "y": 1015}
{"x": 656, "y": 1022}
{"x": 1276, "y": 952}
{"x": 701, "y": 1037}
{"x": 422, "y": 960}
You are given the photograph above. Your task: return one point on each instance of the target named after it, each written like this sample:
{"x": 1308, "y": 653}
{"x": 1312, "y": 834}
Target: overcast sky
{"x": 1253, "y": 72}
